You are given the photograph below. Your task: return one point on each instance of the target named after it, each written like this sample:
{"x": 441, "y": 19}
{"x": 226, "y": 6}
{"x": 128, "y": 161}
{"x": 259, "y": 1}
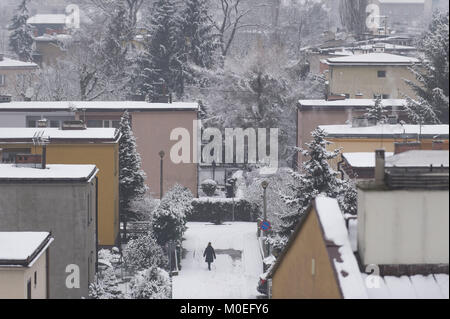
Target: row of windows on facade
{"x": 89, "y": 123}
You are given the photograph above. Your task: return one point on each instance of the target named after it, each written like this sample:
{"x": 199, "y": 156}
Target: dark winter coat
{"x": 210, "y": 254}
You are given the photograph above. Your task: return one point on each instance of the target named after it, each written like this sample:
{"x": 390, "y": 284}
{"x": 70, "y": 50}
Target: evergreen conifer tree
{"x": 431, "y": 73}
{"x": 316, "y": 178}
{"x": 131, "y": 176}
{"x": 162, "y": 55}
{"x": 377, "y": 111}
{"x": 200, "y": 43}
{"x": 21, "y": 36}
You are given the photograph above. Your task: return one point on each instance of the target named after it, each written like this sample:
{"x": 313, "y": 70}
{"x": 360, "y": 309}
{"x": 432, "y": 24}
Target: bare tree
{"x": 231, "y": 20}
{"x": 353, "y": 15}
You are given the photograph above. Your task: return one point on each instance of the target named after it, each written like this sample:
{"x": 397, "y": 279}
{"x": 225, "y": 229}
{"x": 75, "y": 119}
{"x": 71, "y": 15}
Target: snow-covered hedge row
{"x": 218, "y": 210}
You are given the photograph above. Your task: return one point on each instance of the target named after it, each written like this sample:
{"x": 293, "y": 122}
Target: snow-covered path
{"x": 236, "y": 270}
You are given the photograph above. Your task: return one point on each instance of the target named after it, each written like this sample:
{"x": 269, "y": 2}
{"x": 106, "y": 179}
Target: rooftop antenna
{"x": 40, "y": 140}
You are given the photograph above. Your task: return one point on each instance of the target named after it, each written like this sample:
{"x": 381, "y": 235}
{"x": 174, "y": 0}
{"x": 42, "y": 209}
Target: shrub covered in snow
{"x": 106, "y": 286}
{"x": 143, "y": 253}
{"x": 218, "y": 210}
{"x": 153, "y": 283}
{"x": 209, "y": 187}
{"x": 169, "y": 219}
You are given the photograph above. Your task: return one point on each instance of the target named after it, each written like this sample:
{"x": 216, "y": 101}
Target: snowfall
{"x": 234, "y": 274}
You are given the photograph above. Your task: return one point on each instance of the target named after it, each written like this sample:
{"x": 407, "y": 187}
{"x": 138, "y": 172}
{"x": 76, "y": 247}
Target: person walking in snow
{"x": 210, "y": 255}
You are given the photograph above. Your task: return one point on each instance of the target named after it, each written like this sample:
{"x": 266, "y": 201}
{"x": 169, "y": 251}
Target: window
{"x": 382, "y": 96}
{"x": 54, "y": 123}
{"x": 95, "y": 123}
{"x": 115, "y": 124}
{"x": 9, "y": 154}
{"x": 29, "y": 289}
{"x": 106, "y": 123}
{"x": 35, "y": 279}
{"x": 2, "y": 80}
{"x": 381, "y": 74}
{"x": 31, "y": 123}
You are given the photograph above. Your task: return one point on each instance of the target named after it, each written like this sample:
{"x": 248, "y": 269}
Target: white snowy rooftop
{"x": 51, "y": 172}
{"x": 385, "y": 130}
{"x": 28, "y": 133}
{"x": 47, "y": 19}
{"x": 335, "y": 231}
{"x": 410, "y": 287}
{"x": 419, "y": 158}
{"x": 362, "y": 159}
{"x": 20, "y": 246}
{"x": 351, "y": 103}
{"x": 97, "y": 105}
{"x": 401, "y": 1}
{"x": 373, "y": 59}
{"x": 7, "y": 63}
{"x": 354, "y": 283}
{"x": 388, "y": 46}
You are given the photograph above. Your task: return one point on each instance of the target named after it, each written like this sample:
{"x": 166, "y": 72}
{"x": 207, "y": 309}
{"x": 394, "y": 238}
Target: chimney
{"x": 379, "y": 166}
{"x": 73, "y": 125}
{"x": 360, "y": 121}
{"x": 44, "y": 156}
{"x": 5, "y": 98}
{"x": 392, "y": 119}
{"x": 42, "y": 123}
{"x": 339, "y": 97}
{"x": 28, "y": 160}
{"x": 401, "y": 147}
{"x": 439, "y": 145}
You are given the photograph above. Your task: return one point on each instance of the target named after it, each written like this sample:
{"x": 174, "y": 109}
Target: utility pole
{"x": 161, "y": 155}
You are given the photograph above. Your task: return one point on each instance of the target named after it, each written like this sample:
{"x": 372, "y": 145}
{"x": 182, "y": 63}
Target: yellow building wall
{"x": 364, "y": 79}
{"x": 13, "y": 281}
{"x": 294, "y": 278}
{"x": 106, "y": 158}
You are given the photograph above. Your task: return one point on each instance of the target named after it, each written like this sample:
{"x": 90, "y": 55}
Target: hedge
{"x": 218, "y": 210}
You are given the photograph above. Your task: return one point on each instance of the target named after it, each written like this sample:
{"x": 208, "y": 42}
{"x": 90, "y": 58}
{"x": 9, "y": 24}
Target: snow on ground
{"x": 231, "y": 276}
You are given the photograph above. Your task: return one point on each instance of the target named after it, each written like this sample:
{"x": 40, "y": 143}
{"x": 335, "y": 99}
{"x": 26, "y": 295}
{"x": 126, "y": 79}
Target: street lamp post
{"x": 161, "y": 155}
{"x": 264, "y": 185}
{"x": 214, "y": 169}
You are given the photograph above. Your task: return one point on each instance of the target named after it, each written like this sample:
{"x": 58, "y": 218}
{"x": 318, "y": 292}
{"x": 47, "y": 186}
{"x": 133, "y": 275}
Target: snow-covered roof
{"x": 386, "y": 130}
{"x": 7, "y": 63}
{"x": 51, "y": 172}
{"x": 345, "y": 264}
{"x": 373, "y": 59}
{"x": 388, "y": 46}
{"x": 27, "y": 133}
{"x": 21, "y": 247}
{"x": 47, "y": 19}
{"x": 419, "y": 158}
{"x": 401, "y": 1}
{"x": 52, "y": 37}
{"x": 97, "y": 105}
{"x": 409, "y": 287}
{"x": 363, "y": 103}
{"x": 362, "y": 159}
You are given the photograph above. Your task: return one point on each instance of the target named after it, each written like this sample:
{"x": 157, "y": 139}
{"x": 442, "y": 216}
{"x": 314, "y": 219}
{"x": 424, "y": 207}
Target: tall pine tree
{"x": 131, "y": 176}
{"x": 21, "y": 33}
{"x": 200, "y": 43}
{"x": 317, "y": 178}
{"x": 377, "y": 111}
{"x": 162, "y": 57}
{"x": 432, "y": 89}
